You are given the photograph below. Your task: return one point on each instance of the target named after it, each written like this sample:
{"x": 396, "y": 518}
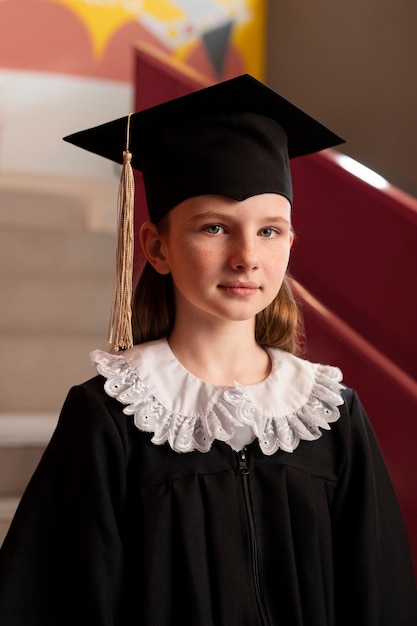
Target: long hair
{"x": 279, "y": 325}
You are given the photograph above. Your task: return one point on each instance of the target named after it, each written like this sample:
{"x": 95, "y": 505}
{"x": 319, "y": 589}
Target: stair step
{"x": 8, "y": 507}
{"x": 57, "y": 254}
{"x": 17, "y": 465}
{"x": 25, "y": 430}
{"x": 77, "y": 304}
{"x": 37, "y": 370}
{"x": 41, "y": 209}
{"x": 23, "y": 438}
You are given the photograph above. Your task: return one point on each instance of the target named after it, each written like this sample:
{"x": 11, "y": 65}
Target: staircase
{"x": 56, "y": 274}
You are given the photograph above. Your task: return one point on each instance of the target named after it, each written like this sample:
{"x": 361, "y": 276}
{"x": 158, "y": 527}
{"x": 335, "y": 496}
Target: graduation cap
{"x": 233, "y": 138}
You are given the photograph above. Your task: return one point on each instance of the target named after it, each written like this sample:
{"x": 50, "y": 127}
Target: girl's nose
{"x": 244, "y": 257}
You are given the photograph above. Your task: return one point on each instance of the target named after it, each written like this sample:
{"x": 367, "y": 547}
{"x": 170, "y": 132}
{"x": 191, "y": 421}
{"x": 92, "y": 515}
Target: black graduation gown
{"x": 116, "y": 531}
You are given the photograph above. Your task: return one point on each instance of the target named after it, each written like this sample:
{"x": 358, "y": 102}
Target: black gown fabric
{"x": 114, "y": 530}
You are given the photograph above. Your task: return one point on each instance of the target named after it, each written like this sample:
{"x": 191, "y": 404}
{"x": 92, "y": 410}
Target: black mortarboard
{"x": 233, "y": 138}
{"x": 225, "y": 139}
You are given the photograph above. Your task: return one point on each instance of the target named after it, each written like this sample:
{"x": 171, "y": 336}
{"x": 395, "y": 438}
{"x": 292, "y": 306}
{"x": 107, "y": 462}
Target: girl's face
{"x": 227, "y": 258}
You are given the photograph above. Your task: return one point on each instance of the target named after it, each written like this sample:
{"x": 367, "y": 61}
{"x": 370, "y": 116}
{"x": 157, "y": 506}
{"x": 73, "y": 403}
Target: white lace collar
{"x": 296, "y": 400}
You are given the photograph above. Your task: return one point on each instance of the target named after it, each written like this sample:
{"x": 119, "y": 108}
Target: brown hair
{"x": 153, "y": 313}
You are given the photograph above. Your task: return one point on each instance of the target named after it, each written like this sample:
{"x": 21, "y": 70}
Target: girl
{"x": 209, "y": 476}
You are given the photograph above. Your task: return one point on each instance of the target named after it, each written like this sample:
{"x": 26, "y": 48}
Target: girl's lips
{"x": 238, "y": 288}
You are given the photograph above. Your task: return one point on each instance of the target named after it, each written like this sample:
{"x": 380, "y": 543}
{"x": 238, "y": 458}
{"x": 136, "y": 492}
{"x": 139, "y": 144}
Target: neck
{"x": 221, "y": 354}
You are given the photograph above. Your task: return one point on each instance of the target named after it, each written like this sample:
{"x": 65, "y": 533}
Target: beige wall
{"x": 353, "y": 65}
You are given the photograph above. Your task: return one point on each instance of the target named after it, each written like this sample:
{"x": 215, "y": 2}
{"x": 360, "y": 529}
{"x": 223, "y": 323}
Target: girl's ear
{"x": 292, "y": 237}
{"x": 150, "y": 242}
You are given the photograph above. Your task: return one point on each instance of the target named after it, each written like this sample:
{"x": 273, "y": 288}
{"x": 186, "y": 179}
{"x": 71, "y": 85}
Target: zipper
{"x": 244, "y": 472}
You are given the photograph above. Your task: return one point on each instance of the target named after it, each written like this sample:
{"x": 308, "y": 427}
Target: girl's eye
{"x": 268, "y": 232}
{"x": 214, "y": 229}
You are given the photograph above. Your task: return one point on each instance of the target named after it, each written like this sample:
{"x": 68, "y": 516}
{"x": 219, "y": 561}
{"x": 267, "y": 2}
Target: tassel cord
{"x": 120, "y": 334}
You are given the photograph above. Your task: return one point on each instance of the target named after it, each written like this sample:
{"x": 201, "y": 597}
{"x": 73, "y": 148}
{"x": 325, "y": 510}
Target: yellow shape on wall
{"x": 102, "y": 18}
{"x": 178, "y": 24}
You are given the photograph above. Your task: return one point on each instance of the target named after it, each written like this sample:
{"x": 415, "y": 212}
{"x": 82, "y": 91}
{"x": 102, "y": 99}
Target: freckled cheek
{"x": 279, "y": 260}
{"x": 191, "y": 262}
{"x": 277, "y": 267}
{"x": 198, "y": 256}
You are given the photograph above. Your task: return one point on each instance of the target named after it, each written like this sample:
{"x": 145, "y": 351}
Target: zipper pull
{"x": 243, "y": 462}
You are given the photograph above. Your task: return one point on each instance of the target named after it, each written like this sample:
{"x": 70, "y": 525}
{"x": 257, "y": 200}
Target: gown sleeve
{"x": 375, "y": 584}
{"x": 62, "y": 560}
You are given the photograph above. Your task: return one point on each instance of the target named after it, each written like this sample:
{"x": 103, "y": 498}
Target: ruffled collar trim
{"x": 296, "y": 400}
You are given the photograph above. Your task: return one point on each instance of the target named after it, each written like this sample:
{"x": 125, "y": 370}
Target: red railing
{"x": 355, "y": 264}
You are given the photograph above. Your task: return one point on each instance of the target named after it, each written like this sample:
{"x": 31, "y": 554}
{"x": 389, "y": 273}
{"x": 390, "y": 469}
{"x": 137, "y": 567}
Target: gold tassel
{"x": 120, "y": 334}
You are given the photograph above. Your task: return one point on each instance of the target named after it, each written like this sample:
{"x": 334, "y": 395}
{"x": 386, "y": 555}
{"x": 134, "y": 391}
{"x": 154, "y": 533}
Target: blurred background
{"x": 66, "y": 65}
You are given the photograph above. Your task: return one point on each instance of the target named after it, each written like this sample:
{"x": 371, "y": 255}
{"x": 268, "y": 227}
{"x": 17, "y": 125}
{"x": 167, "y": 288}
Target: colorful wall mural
{"x": 68, "y": 64}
